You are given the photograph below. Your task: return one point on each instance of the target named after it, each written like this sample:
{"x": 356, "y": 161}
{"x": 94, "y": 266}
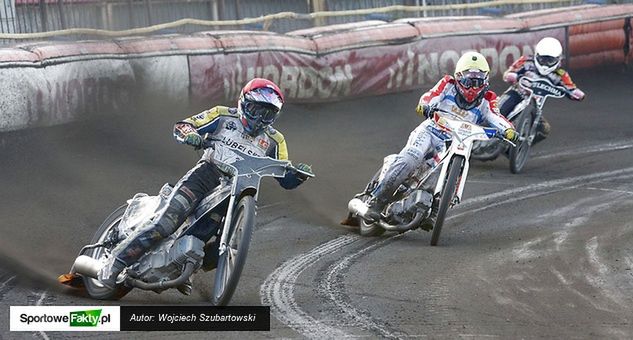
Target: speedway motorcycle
{"x": 411, "y": 203}
{"x": 216, "y": 235}
{"x": 525, "y": 116}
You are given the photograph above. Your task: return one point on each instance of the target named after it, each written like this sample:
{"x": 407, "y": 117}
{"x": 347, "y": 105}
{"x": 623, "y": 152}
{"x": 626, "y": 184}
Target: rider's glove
{"x": 424, "y": 110}
{"x": 510, "y": 77}
{"x": 511, "y": 135}
{"x": 304, "y": 168}
{"x": 193, "y": 139}
{"x": 577, "y": 94}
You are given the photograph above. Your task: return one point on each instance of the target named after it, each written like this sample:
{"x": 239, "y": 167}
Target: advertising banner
{"x": 355, "y": 72}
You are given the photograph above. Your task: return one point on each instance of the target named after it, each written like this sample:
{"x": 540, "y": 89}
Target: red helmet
{"x": 259, "y": 105}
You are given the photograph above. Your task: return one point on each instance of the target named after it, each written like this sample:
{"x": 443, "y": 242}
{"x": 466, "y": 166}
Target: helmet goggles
{"x": 547, "y": 60}
{"x": 473, "y": 79}
{"x": 264, "y": 113}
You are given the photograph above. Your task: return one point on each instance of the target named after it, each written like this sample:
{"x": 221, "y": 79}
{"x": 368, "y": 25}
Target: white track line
{"x": 343, "y": 264}
{"x": 556, "y": 185}
{"x": 4, "y": 284}
{"x": 39, "y": 303}
{"x": 599, "y": 279}
{"x": 335, "y": 275}
{"x": 585, "y": 179}
{"x": 278, "y": 291}
{"x": 589, "y": 149}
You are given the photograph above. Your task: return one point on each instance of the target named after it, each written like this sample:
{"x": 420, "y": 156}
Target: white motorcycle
{"x": 215, "y": 236}
{"x": 525, "y": 116}
{"x": 411, "y": 203}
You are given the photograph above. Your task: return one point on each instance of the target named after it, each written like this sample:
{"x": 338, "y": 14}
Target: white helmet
{"x": 547, "y": 56}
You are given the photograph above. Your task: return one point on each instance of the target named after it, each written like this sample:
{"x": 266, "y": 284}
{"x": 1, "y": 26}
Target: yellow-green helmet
{"x": 471, "y": 76}
{"x": 471, "y": 61}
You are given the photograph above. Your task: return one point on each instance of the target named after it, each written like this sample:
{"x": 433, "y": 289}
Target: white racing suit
{"x": 428, "y": 140}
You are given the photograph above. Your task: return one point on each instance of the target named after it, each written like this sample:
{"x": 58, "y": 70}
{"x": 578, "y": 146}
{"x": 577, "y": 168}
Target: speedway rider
{"x": 247, "y": 128}
{"x": 465, "y": 95}
{"x": 544, "y": 64}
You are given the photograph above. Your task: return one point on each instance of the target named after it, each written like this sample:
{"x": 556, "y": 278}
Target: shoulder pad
{"x": 209, "y": 115}
{"x": 490, "y": 96}
{"x": 224, "y": 111}
{"x": 275, "y": 135}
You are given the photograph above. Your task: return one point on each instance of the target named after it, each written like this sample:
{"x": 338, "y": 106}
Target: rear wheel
{"x": 519, "y": 154}
{"x": 373, "y": 229}
{"x": 231, "y": 262}
{"x": 95, "y": 289}
{"x": 446, "y": 196}
{"x": 487, "y": 150}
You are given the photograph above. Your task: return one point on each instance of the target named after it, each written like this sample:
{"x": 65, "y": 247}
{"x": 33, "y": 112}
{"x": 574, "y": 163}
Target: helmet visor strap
{"x": 547, "y": 60}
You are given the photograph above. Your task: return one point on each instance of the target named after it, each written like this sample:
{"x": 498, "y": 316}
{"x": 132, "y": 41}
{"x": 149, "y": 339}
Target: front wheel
{"x": 446, "y": 196}
{"x": 95, "y": 289}
{"x": 231, "y": 262}
{"x": 519, "y": 154}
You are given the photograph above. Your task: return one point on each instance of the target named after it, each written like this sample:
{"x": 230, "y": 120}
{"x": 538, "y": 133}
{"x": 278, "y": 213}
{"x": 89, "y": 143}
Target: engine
{"x": 166, "y": 261}
{"x": 404, "y": 211}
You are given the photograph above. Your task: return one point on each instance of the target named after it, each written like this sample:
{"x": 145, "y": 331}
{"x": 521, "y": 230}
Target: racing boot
{"x": 374, "y": 209}
{"x": 109, "y": 273}
{"x": 429, "y": 222}
{"x": 542, "y": 130}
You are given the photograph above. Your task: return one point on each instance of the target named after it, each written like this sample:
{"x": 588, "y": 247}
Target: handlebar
{"x": 208, "y": 143}
{"x": 303, "y": 173}
{"x": 490, "y": 132}
{"x": 533, "y": 78}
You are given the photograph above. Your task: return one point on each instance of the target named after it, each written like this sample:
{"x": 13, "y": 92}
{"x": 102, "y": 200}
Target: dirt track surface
{"x": 547, "y": 253}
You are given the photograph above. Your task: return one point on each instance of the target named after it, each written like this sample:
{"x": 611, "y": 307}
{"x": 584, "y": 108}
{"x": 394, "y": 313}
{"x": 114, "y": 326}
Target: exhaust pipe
{"x": 358, "y": 207}
{"x": 87, "y": 266}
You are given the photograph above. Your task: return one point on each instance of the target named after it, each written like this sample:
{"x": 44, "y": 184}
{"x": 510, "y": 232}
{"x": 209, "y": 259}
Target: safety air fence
{"x": 50, "y": 83}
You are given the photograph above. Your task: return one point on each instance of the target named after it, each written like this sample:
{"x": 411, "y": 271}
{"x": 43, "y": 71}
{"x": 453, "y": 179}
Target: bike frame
{"x": 538, "y": 89}
{"x": 463, "y": 134}
{"x": 246, "y": 173}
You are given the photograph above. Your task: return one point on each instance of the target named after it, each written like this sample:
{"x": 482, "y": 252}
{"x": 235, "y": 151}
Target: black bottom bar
{"x": 195, "y": 318}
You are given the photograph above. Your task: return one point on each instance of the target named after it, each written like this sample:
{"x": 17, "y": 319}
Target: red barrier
{"x": 365, "y": 37}
{"x": 63, "y": 50}
{"x": 324, "y": 63}
{"x": 354, "y": 72}
{"x": 10, "y": 55}
{"x": 630, "y": 39}
{"x": 173, "y": 43}
{"x": 468, "y": 26}
{"x": 569, "y": 17}
{"x": 600, "y": 58}
{"x": 594, "y": 42}
{"x": 310, "y": 32}
{"x": 617, "y": 24}
{"x": 249, "y": 42}
{"x": 548, "y": 11}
